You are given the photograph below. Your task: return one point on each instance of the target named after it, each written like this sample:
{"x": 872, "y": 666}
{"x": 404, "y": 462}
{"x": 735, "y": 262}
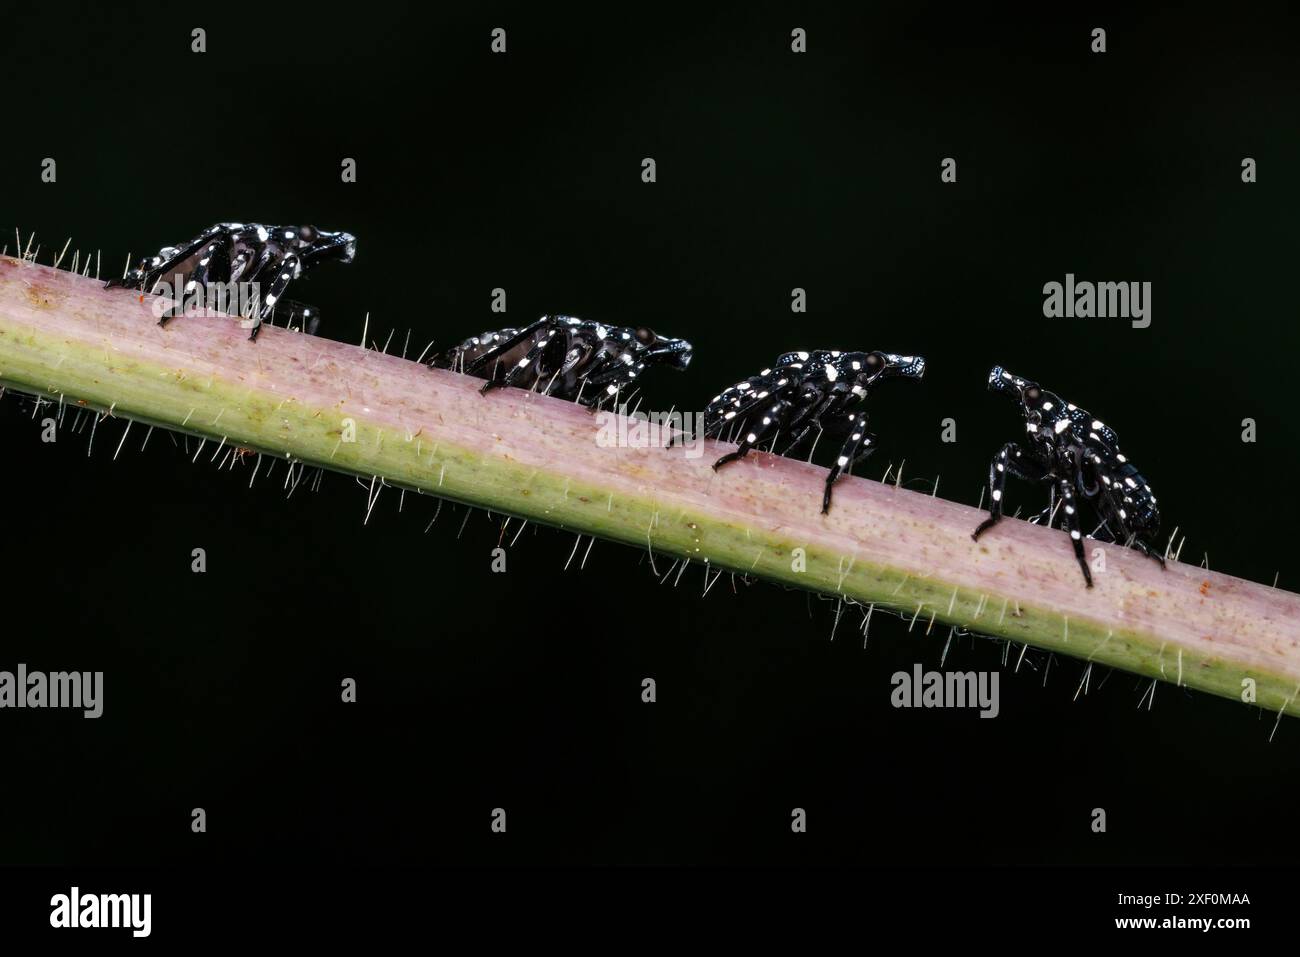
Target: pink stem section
{"x": 65, "y": 338}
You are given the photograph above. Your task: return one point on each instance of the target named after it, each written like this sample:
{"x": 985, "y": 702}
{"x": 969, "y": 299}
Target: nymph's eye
{"x": 645, "y": 336}
{"x": 307, "y": 234}
{"x": 1032, "y": 394}
{"x": 875, "y": 360}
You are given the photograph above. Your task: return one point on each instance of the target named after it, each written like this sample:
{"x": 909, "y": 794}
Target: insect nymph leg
{"x": 770, "y": 423}
{"x": 1147, "y": 549}
{"x": 212, "y": 262}
{"x": 809, "y": 417}
{"x": 857, "y": 447}
{"x": 505, "y": 345}
{"x": 1012, "y": 460}
{"x": 287, "y": 270}
{"x": 531, "y": 362}
{"x": 608, "y": 382}
{"x": 1071, "y": 522}
{"x": 145, "y": 276}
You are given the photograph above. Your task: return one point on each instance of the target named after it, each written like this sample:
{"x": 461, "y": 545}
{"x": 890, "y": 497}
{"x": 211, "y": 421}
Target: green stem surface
{"x": 66, "y": 339}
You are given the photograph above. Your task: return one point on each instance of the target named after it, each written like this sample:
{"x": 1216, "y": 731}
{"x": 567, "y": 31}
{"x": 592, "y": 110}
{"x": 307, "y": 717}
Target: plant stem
{"x": 354, "y": 410}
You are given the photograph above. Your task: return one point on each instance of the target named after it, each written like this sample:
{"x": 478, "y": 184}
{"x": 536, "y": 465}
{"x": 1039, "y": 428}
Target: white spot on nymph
{"x": 1123, "y": 514}
{"x": 858, "y": 390}
{"x": 1075, "y": 534}
{"x": 288, "y": 235}
{"x": 856, "y": 365}
{"x": 262, "y": 234}
{"x": 1130, "y": 483}
{"x": 270, "y": 300}
{"x": 997, "y": 495}
{"x": 751, "y": 437}
{"x": 766, "y": 372}
{"x": 730, "y": 415}
{"x": 1120, "y": 458}
{"x": 204, "y": 261}
{"x": 1096, "y": 424}
{"x": 843, "y": 460}
{"x": 802, "y": 355}
{"x": 1047, "y": 406}
{"x": 767, "y": 420}
{"x": 627, "y": 358}
{"x": 611, "y": 390}
{"x": 831, "y": 374}
{"x": 1062, "y": 425}
{"x": 1030, "y": 427}
{"x": 1069, "y": 510}
{"x": 522, "y": 362}
{"x": 1072, "y": 407}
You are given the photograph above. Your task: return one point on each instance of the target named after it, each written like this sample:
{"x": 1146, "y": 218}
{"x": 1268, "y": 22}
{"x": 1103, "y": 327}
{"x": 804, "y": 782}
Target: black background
{"x": 775, "y": 170}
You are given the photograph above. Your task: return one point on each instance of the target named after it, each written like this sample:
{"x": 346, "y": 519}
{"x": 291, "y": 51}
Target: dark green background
{"x": 774, "y": 171}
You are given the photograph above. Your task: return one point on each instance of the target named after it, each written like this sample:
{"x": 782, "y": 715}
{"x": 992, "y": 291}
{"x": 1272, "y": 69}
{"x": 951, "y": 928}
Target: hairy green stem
{"x": 66, "y": 339}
